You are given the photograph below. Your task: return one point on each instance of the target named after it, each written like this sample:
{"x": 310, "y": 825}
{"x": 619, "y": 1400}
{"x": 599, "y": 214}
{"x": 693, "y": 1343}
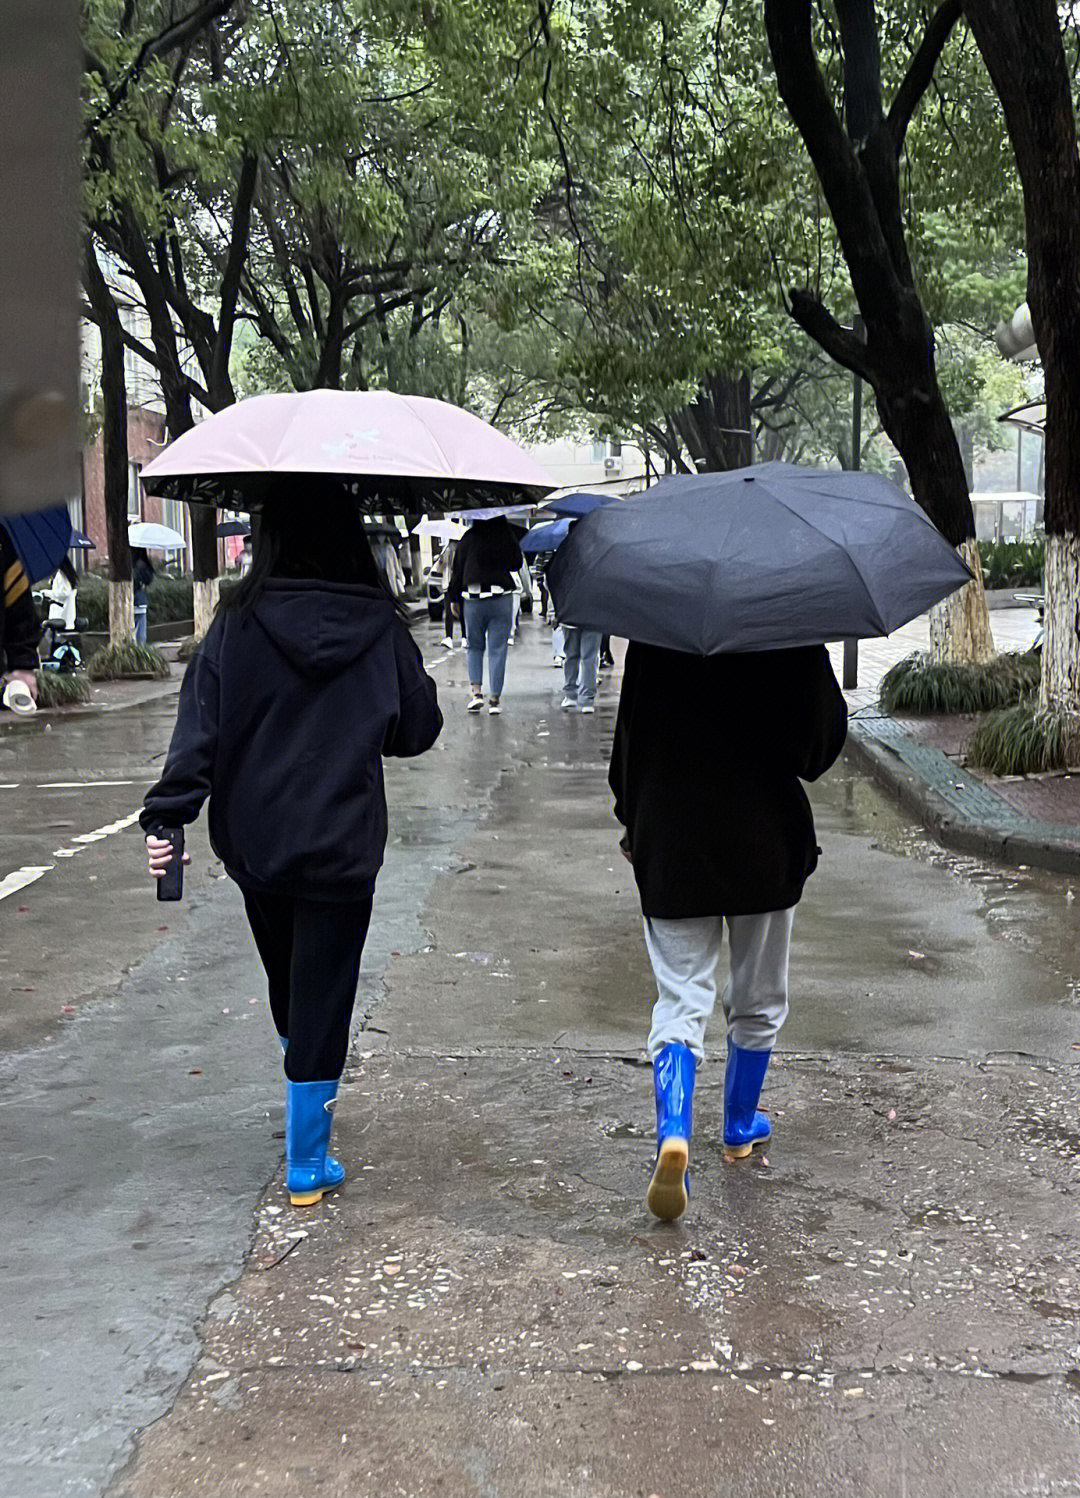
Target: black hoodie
{"x": 284, "y": 718}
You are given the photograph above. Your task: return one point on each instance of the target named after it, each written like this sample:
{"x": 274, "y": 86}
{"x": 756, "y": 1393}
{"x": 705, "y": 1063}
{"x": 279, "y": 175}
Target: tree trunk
{"x": 914, "y": 415}
{"x": 204, "y": 557}
{"x": 960, "y": 625}
{"x": 121, "y": 610}
{"x": 1020, "y": 42}
{"x": 114, "y": 448}
{"x": 206, "y": 592}
{"x": 715, "y": 426}
{"x": 859, "y": 172}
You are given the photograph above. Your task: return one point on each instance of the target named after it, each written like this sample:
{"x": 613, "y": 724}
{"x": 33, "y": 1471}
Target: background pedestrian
{"x": 142, "y": 576}
{"x": 62, "y": 596}
{"x": 20, "y": 627}
{"x": 581, "y": 660}
{"x": 483, "y": 584}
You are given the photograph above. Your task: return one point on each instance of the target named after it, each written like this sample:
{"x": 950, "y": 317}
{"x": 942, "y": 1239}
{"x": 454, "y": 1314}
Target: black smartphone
{"x": 171, "y": 886}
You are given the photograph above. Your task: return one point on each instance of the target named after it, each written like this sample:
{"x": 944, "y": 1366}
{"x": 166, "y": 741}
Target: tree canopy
{"x": 563, "y": 212}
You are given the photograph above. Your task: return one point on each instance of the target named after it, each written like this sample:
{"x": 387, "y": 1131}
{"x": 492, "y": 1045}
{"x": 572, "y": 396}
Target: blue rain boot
{"x": 744, "y": 1127}
{"x": 309, "y": 1170}
{"x": 674, "y": 1069}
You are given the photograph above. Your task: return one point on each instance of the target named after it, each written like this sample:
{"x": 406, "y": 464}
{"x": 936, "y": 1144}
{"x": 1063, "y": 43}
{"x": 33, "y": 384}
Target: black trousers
{"x": 311, "y": 951}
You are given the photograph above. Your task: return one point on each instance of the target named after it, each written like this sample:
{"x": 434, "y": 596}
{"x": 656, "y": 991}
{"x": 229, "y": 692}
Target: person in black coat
{"x": 20, "y": 627}
{"x": 142, "y": 577}
{"x": 307, "y": 677}
{"x": 482, "y": 585}
{"x": 706, "y": 767}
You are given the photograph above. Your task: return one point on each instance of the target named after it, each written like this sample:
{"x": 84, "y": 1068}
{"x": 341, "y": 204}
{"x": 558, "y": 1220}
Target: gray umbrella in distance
{"x": 754, "y": 559}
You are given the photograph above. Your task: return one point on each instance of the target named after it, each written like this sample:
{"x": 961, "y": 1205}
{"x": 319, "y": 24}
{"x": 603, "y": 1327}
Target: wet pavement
{"x": 891, "y": 1305}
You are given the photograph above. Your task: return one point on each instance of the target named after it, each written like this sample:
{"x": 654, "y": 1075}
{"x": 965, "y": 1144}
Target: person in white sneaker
{"x": 581, "y": 648}
{"x": 482, "y": 582}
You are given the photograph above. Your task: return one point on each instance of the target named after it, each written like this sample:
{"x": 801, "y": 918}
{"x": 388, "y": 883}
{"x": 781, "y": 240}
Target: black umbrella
{"x": 233, "y": 528}
{"x": 755, "y": 559}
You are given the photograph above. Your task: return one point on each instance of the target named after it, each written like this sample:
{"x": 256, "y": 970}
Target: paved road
{"x": 141, "y": 1096}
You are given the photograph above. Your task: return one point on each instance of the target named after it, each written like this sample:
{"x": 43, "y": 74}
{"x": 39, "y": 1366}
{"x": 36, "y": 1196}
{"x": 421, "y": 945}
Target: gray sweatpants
{"x": 685, "y": 956}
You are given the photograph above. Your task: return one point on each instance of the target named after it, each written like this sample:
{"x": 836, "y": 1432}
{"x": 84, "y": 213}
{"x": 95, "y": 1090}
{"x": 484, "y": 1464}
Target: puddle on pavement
{"x": 938, "y": 949}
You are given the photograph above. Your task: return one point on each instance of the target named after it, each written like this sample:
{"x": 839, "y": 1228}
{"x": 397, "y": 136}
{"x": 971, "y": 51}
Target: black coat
{"x": 487, "y": 556}
{"x": 284, "y": 719}
{"x": 706, "y": 764}
{"x": 20, "y": 628}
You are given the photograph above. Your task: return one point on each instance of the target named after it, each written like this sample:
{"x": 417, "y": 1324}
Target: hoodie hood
{"x": 322, "y": 628}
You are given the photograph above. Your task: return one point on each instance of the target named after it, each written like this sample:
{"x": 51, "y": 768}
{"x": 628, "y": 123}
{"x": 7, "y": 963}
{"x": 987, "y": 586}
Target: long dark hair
{"x": 309, "y": 528}
{"x": 69, "y": 572}
{"x": 495, "y": 543}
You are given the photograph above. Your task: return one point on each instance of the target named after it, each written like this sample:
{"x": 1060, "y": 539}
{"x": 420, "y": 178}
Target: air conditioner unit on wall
{"x": 613, "y": 465}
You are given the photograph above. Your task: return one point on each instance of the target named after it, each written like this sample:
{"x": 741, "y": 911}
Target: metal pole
{"x": 851, "y": 647}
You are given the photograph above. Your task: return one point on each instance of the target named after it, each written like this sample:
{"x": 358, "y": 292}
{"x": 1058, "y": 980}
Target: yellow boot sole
{"x": 667, "y": 1197}
{"x": 307, "y": 1198}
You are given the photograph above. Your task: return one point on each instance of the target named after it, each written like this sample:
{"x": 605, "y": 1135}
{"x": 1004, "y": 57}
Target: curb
{"x": 13, "y": 723}
{"x": 1011, "y": 840}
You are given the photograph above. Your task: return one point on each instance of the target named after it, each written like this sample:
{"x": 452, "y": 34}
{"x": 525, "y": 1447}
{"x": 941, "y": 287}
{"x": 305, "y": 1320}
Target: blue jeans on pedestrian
{"x": 487, "y": 626}
{"x": 140, "y": 618}
{"x": 580, "y": 668}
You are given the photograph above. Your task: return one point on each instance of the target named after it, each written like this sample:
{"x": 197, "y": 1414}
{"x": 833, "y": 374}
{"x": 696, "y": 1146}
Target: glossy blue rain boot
{"x": 674, "y": 1069}
{"x": 743, "y": 1125}
{"x": 309, "y": 1170}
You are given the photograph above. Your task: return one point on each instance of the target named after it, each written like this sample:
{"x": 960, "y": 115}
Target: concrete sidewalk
{"x": 1031, "y": 820}
{"x": 884, "y": 1305}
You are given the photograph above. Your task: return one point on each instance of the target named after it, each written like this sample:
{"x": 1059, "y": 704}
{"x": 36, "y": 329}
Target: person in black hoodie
{"x": 706, "y": 765}
{"x": 307, "y": 677}
{"x": 483, "y": 584}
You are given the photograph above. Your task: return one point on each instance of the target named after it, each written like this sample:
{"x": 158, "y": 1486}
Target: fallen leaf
{"x": 195, "y": 1072}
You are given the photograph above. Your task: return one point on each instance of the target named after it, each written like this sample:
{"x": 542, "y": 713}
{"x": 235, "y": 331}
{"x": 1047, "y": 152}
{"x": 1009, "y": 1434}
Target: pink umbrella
{"x": 402, "y": 450}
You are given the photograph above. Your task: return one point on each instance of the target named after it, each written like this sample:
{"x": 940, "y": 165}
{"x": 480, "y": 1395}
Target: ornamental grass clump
{"x": 62, "y": 688}
{"x": 1021, "y": 740}
{"x": 920, "y": 686}
{"x": 127, "y": 659}
{"x": 1013, "y": 564}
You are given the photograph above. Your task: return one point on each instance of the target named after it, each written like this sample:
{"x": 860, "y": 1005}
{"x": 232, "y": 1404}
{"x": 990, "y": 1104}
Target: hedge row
{"x": 1012, "y": 564}
{"x": 168, "y": 600}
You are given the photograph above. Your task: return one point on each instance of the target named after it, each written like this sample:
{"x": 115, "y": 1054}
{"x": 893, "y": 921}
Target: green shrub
{"x": 188, "y": 648}
{"x": 1012, "y": 564}
{"x": 1021, "y": 740}
{"x": 129, "y": 659}
{"x": 61, "y": 688}
{"x": 916, "y": 685}
{"x": 92, "y": 602}
{"x": 168, "y": 601}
